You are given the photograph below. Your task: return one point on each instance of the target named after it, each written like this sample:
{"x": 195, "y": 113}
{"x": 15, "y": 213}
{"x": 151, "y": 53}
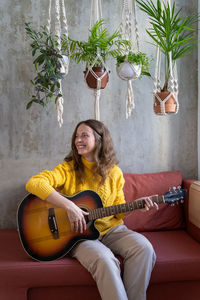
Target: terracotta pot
{"x": 170, "y": 104}
{"x": 92, "y": 81}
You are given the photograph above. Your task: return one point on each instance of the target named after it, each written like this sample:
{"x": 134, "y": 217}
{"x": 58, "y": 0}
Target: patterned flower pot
{"x": 91, "y": 80}
{"x": 170, "y": 105}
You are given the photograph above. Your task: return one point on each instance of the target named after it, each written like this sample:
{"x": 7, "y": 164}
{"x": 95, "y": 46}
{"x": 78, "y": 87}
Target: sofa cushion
{"x": 140, "y": 185}
{"x": 178, "y": 256}
{"x": 19, "y": 272}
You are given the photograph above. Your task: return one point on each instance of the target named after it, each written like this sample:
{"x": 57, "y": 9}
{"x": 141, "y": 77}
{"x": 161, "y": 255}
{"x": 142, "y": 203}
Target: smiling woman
{"x": 92, "y": 165}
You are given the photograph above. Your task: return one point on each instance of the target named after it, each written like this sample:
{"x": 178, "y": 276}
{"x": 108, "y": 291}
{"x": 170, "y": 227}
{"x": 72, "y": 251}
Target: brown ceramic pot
{"x": 170, "y": 104}
{"x": 92, "y": 81}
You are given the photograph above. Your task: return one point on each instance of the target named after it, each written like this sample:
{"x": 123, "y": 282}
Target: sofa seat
{"x": 178, "y": 260}
{"x": 178, "y": 256}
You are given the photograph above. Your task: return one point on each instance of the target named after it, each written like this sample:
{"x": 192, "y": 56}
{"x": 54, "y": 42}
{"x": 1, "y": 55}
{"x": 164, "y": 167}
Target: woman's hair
{"x": 104, "y": 153}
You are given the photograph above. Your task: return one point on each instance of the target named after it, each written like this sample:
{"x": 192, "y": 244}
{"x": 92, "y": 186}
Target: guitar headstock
{"x": 174, "y": 195}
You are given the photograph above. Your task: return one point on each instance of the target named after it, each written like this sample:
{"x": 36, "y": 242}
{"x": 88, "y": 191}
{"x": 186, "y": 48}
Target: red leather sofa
{"x": 174, "y": 232}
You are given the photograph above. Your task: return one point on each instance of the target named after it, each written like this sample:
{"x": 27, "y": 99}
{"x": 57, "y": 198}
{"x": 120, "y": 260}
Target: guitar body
{"x": 45, "y": 230}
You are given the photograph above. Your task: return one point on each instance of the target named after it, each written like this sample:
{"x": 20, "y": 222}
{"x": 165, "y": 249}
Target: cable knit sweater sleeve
{"x": 43, "y": 184}
{"x": 120, "y": 199}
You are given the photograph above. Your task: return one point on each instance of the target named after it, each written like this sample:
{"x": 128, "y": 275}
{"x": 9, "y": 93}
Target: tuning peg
{"x": 174, "y": 188}
{"x": 169, "y": 188}
{"x": 179, "y": 187}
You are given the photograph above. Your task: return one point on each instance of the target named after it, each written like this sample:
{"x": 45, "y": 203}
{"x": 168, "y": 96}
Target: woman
{"x": 92, "y": 164}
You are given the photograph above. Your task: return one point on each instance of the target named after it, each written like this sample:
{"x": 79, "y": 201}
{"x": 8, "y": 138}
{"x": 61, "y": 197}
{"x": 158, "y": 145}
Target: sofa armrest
{"x": 192, "y": 207}
{"x": 186, "y": 185}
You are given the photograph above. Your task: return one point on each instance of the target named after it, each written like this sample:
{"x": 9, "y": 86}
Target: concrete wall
{"x": 32, "y": 140}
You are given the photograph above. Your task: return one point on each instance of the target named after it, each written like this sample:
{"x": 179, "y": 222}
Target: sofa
{"x": 173, "y": 230}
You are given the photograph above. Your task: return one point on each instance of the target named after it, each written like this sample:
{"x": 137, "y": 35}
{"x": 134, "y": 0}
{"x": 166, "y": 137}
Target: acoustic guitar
{"x": 45, "y": 230}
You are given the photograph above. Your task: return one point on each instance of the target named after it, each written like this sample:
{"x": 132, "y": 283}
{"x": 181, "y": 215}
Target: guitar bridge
{"x": 53, "y": 223}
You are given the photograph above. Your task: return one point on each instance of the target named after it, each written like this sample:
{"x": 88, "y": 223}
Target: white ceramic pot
{"x": 64, "y": 61}
{"x": 127, "y": 71}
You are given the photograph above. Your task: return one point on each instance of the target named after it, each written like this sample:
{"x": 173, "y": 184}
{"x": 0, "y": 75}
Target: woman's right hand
{"x": 75, "y": 214}
{"x": 76, "y": 217}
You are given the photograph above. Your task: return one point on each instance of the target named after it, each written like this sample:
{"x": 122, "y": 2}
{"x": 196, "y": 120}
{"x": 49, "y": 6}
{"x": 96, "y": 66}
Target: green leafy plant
{"x": 170, "y": 31}
{"x": 99, "y": 42}
{"x": 47, "y": 66}
{"x": 139, "y": 58}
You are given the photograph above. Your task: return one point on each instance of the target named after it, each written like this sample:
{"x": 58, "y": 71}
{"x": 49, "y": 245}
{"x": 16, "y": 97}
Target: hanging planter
{"x": 95, "y": 52}
{"x": 97, "y": 77}
{"x": 132, "y": 66}
{"x": 99, "y": 47}
{"x": 174, "y": 37}
{"x": 127, "y": 71}
{"x": 50, "y": 60}
{"x": 47, "y": 65}
{"x": 165, "y": 102}
{"x": 132, "y": 63}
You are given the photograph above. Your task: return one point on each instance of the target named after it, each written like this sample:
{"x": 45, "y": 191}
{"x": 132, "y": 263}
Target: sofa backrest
{"x": 140, "y": 185}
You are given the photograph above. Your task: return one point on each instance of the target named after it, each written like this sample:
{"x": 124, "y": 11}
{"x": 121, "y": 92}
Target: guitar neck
{"x": 122, "y": 208}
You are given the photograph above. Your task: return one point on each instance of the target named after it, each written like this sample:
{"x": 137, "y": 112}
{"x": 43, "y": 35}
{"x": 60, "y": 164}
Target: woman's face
{"x": 85, "y": 142}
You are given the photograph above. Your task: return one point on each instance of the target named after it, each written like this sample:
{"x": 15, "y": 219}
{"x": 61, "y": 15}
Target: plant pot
{"x": 170, "y": 104}
{"x": 127, "y": 71}
{"x": 92, "y": 81}
{"x": 64, "y": 62}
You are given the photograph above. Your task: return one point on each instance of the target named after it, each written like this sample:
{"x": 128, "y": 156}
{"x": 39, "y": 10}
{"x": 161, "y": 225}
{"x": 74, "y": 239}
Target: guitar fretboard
{"x": 122, "y": 208}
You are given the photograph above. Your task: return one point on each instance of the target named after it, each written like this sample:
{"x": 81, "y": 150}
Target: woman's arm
{"x": 43, "y": 185}
{"x": 75, "y": 214}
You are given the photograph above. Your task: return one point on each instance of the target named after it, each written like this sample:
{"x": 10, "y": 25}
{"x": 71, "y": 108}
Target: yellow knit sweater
{"x": 63, "y": 177}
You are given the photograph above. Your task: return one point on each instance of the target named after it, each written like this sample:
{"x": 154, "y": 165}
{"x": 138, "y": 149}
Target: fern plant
{"x": 170, "y": 31}
{"x": 47, "y": 65}
{"x": 99, "y": 42}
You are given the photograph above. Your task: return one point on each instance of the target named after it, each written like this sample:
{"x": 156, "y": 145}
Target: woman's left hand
{"x": 149, "y": 204}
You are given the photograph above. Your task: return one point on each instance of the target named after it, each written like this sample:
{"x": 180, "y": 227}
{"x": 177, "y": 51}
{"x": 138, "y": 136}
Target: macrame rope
{"x": 64, "y": 19}
{"x": 96, "y": 106}
{"x": 59, "y": 103}
{"x": 130, "y": 105}
{"x": 49, "y": 18}
{"x": 64, "y": 62}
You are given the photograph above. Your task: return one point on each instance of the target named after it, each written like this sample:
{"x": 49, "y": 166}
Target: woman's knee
{"x": 105, "y": 263}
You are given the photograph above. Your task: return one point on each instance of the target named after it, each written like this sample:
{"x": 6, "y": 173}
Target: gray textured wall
{"x": 31, "y": 140}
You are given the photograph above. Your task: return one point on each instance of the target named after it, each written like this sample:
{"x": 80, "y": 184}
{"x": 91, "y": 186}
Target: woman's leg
{"x": 104, "y": 267}
{"x": 139, "y": 259}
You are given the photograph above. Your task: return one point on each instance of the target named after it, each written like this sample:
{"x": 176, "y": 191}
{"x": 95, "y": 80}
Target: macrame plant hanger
{"x": 64, "y": 61}
{"x": 96, "y": 15}
{"x": 127, "y": 71}
{"x": 160, "y": 102}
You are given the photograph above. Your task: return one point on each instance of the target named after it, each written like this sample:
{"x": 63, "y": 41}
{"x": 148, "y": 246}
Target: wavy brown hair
{"x": 104, "y": 153}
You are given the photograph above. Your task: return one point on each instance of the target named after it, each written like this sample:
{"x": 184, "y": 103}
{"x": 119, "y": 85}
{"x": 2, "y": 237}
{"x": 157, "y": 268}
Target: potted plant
{"x": 49, "y": 65}
{"x": 132, "y": 65}
{"x": 95, "y": 52}
{"x": 174, "y": 35}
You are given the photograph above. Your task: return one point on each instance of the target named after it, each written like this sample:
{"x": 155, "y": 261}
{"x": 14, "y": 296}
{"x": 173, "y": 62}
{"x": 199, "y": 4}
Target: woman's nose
{"x": 78, "y": 138}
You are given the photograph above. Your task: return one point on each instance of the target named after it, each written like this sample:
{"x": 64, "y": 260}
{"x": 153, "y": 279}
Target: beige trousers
{"x": 98, "y": 258}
